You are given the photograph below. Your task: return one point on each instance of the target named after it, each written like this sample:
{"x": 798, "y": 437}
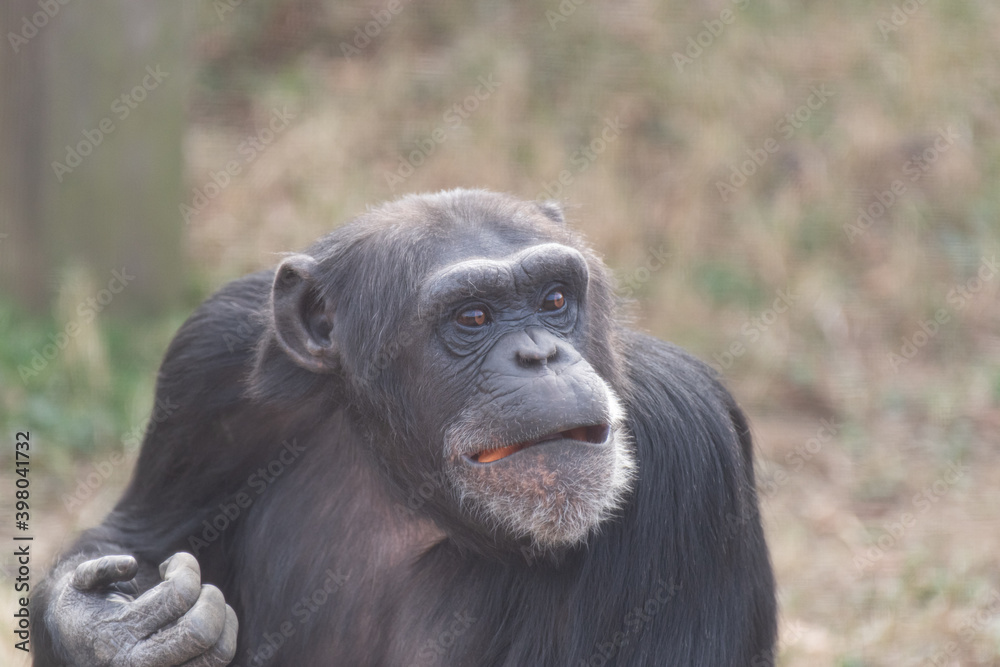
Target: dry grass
{"x": 900, "y": 426}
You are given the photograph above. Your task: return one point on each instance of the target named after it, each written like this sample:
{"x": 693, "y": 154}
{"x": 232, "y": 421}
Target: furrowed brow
{"x": 483, "y": 278}
{"x": 553, "y": 261}
{"x": 474, "y": 278}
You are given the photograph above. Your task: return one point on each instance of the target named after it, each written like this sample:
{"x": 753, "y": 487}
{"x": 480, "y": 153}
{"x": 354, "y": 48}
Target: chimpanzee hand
{"x": 99, "y": 622}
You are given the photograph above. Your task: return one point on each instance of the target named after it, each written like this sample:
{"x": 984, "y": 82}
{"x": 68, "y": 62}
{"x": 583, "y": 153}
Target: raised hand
{"x": 98, "y": 620}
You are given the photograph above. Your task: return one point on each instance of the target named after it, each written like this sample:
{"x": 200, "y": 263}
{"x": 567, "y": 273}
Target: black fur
{"x": 680, "y": 577}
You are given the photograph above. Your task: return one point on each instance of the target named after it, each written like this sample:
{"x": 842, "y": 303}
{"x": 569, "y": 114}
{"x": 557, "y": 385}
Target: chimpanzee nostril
{"x": 536, "y": 357}
{"x": 535, "y": 350}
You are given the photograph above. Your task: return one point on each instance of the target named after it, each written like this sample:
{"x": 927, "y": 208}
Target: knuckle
{"x": 184, "y": 559}
{"x": 176, "y": 564}
{"x": 186, "y": 588}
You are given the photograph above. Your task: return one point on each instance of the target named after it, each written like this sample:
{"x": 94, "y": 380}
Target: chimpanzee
{"x": 429, "y": 439}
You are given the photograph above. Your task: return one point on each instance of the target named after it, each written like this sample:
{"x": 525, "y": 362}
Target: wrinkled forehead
{"x": 520, "y": 271}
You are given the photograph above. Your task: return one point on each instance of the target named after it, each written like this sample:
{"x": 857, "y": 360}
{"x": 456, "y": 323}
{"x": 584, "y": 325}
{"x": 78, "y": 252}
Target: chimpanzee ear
{"x": 303, "y": 321}
{"x": 553, "y": 210}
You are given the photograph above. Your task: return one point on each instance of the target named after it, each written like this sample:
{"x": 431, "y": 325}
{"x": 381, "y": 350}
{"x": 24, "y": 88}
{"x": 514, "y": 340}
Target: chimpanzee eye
{"x": 473, "y": 317}
{"x": 554, "y": 300}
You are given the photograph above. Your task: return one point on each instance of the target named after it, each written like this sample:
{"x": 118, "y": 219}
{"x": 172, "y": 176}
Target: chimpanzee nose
{"x": 535, "y": 347}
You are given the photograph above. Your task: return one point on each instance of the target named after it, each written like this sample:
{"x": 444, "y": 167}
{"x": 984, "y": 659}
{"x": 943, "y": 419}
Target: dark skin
{"x": 437, "y": 445}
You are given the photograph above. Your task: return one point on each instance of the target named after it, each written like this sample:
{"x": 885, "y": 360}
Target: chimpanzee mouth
{"x": 594, "y": 434}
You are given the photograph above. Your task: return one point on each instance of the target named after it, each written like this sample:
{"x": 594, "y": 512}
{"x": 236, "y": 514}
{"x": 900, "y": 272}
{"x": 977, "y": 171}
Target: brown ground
{"x": 884, "y": 524}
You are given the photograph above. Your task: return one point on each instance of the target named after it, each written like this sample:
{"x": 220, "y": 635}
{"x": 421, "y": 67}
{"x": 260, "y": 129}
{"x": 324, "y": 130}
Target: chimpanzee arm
{"x": 126, "y": 594}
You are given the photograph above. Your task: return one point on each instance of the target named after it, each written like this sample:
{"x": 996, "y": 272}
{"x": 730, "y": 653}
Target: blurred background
{"x": 803, "y": 194}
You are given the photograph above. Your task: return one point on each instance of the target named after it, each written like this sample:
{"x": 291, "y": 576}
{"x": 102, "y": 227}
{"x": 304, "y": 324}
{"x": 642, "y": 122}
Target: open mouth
{"x": 594, "y": 434}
